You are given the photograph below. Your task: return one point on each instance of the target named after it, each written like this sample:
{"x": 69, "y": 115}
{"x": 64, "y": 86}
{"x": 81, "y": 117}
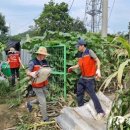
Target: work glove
{"x": 69, "y": 70}
{"x": 33, "y": 74}
{"x": 98, "y": 73}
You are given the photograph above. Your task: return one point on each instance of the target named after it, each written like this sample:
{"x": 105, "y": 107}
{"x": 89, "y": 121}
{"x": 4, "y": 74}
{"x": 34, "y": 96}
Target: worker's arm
{"x": 94, "y": 56}
{"x": 98, "y": 63}
{"x": 21, "y": 63}
{"x": 8, "y": 60}
{"x": 75, "y": 66}
{"x": 29, "y": 70}
{"x": 70, "y": 69}
{"x": 32, "y": 74}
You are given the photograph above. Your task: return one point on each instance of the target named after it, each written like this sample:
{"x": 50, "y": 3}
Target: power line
{"x": 71, "y": 5}
{"x": 38, "y": 16}
{"x": 18, "y": 15}
{"x": 26, "y": 24}
{"x": 111, "y": 9}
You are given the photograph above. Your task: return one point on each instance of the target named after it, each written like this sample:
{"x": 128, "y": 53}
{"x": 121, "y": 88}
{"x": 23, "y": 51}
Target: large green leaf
{"x": 125, "y": 44}
{"x": 120, "y": 72}
{"x": 108, "y": 80}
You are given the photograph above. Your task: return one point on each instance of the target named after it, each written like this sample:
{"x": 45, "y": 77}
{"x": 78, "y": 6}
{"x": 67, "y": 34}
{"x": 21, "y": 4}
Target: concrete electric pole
{"x": 104, "y": 18}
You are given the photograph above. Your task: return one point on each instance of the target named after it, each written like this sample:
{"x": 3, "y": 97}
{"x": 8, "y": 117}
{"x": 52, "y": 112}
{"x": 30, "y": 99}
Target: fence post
{"x": 64, "y": 71}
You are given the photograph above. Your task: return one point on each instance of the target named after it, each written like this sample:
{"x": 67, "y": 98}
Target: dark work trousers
{"x": 15, "y": 73}
{"x": 88, "y": 85}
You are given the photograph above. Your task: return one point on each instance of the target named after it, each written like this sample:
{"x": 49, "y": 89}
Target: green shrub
{"x": 4, "y": 86}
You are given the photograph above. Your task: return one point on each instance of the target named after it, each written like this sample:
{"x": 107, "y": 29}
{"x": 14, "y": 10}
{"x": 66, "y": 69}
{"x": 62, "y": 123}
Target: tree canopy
{"x": 3, "y": 27}
{"x": 55, "y": 17}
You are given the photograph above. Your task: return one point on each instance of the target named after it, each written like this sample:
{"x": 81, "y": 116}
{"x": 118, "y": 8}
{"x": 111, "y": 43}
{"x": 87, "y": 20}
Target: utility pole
{"x": 129, "y": 32}
{"x": 93, "y": 11}
{"x": 104, "y": 18}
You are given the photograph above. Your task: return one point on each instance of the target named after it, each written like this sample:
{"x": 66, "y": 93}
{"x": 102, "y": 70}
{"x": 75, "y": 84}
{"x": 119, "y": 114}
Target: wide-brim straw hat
{"x": 43, "y": 74}
{"x": 42, "y": 51}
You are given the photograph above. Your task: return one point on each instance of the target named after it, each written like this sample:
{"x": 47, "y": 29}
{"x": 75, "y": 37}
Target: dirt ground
{"x": 11, "y": 117}
{"x": 7, "y": 117}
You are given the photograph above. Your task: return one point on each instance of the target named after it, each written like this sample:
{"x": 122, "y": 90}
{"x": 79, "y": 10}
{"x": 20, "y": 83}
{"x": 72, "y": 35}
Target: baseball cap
{"x": 80, "y": 42}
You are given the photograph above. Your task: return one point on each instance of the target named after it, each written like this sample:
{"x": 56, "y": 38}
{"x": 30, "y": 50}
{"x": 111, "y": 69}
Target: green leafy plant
{"x": 104, "y": 49}
{"x": 4, "y": 86}
{"x": 119, "y": 118}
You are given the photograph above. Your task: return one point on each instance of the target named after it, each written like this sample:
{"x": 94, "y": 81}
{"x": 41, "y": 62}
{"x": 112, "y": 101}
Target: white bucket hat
{"x": 42, "y": 51}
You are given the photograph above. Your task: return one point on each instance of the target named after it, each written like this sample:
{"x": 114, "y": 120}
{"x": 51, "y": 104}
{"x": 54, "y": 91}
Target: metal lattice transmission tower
{"x": 93, "y": 15}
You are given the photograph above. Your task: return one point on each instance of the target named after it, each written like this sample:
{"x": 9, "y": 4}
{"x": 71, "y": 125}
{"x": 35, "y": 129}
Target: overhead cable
{"x": 111, "y": 9}
{"x": 71, "y": 5}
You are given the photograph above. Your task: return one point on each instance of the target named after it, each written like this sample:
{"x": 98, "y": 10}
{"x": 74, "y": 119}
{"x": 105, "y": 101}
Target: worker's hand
{"x": 45, "y": 66}
{"x": 33, "y": 74}
{"x": 98, "y": 73}
{"x": 69, "y": 70}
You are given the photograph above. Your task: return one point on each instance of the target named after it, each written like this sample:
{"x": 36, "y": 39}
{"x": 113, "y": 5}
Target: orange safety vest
{"x": 38, "y": 85}
{"x": 87, "y": 65}
{"x": 13, "y": 59}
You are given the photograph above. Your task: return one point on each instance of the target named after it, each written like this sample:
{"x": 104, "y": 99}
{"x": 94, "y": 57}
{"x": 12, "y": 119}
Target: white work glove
{"x": 33, "y": 74}
{"x": 98, "y": 73}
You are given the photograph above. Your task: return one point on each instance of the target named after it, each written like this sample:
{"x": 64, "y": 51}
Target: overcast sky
{"x": 19, "y": 14}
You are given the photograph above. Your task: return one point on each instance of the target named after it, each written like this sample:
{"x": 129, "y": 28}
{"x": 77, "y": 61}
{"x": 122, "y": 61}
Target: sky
{"x": 20, "y": 14}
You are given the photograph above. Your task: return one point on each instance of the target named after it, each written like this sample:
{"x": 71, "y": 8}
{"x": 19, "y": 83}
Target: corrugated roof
{"x": 84, "y": 118}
